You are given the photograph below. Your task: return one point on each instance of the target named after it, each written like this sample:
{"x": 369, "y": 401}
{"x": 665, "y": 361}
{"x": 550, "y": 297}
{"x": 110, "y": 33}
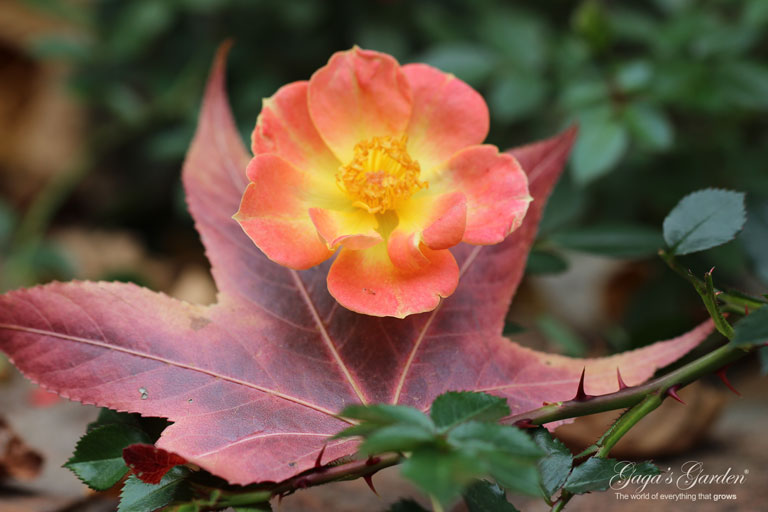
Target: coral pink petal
{"x": 359, "y": 94}
{"x": 354, "y": 229}
{"x": 447, "y": 115}
{"x": 367, "y": 282}
{"x": 285, "y": 128}
{"x": 496, "y": 188}
{"x": 437, "y": 222}
{"x": 274, "y": 213}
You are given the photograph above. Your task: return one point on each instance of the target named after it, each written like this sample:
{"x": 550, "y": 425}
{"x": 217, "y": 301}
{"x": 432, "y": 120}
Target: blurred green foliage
{"x": 670, "y": 95}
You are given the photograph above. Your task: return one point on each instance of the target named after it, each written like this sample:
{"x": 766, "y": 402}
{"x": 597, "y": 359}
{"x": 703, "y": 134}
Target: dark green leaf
{"x": 634, "y": 75}
{"x": 484, "y": 496}
{"x": 616, "y": 241}
{"x": 444, "y": 475}
{"x": 492, "y": 437}
{"x": 110, "y": 417}
{"x": 383, "y": 414}
{"x": 406, "y": 506}
{"x": 454, "y": 407}
{"x": 512, "y": 328}
{"x": 395, "y": 438}
{"x": 98, "y": 458}
{"x": 601, "y": 144}
{"x": 140, "y": 497}
{"x": 649, "y": 125}
{"x": 704, "y": 219}
{"x": 563, "y": 336}
{"x": 564, "y": 207}
{"x": 596, "y": 474}
{"x": 752, "y": 329}
{"x": 514, "y": 474}
{"x": 545, "y": 262}
{"x": 556, "y": 465}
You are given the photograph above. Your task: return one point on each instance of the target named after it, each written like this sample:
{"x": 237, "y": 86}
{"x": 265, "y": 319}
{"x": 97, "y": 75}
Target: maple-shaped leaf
{"x": 252, "y": 384}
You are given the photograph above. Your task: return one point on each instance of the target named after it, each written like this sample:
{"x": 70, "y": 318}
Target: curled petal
{"x": 367, "y": 282}
{"x": 285, "y": 128}
{"x": 359, "y": 94}
{"x": 496, "y": 189}
{"x": 274, "y": 213}
{"x": 447, "y": 115}
{"x": 437, "y": 222}
{"x": 354, "y": 229}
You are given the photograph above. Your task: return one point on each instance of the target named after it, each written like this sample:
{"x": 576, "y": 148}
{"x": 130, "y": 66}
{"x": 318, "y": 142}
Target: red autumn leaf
{"x": 252, "y": 383}
{"x": 150, "y": 463}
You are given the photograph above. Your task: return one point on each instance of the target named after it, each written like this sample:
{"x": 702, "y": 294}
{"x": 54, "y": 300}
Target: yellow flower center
{"x": 380, "y": 174}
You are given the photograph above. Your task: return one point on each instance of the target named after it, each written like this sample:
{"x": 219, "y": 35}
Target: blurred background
{"x": 99, "y": 100}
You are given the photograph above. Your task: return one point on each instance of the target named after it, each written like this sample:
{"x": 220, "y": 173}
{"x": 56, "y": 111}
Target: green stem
{"x": 627, "y": 420}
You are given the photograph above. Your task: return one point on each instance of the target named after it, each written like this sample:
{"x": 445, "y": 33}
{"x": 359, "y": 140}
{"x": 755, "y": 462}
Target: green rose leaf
{"x": 454, "y": 407}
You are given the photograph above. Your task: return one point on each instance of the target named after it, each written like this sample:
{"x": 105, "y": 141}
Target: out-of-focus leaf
{"x": 137, "y": 25}
{"x": 382, "y": 38}
{"x": 516, "y": 94}
{"x": 634, "y": 75}
{"x": 581, "y": 93}
{"x": 601, "y": 144}
{"x": 631, "y": 24}
{"x": 471, "y": 63}
{"x": 561, "y": 335}
{"x": 755, "y": 238}
{"x": 744, "y": 84}
{"x": 518, "y": 35}
{"x": 704, "y": 219}
{"x": 454, "y": 407}
{"x": 545, "y": 262}
{"x": 565, "y": 206}
{"x": 752, "y": 329}
{"x": 612, "y": 240}
{"x": 484, "y": 496}
{"x": 443, "y": 475}
{"x": 591, "y": 22}
{"x": 763, "y": 354}
{"x": 649, "y": 125}
{"x": 406, "y": 506}
{"x": 67, "y": 47}
{"x": 7, "y": 223}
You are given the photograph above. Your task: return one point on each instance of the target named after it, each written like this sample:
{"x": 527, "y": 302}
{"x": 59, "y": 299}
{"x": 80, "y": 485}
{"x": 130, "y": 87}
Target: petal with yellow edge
{"x": 496, "y": 189}
{"x": 447, "y": 115}
{"x": 437, "y": 222}
{"x": 354, "y": 229}
{"x": 367, "y": 282}
{"x": 358, "y": 95}
{"x": 274, "y": 213}
{"x": 285, "y": 129}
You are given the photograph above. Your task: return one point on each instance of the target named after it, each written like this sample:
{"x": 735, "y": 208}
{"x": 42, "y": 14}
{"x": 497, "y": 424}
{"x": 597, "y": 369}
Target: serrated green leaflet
{"x": 484, "y": 496}
{"x": 140, "y": 497}
{"x": 454, "y": 407}
{"x": 752, "y": 329}
{"x": 704, "y": 219}
{"x": 98, "y": 458}
{"x": 556, "y": 465}
{"x": 596, "y": 474}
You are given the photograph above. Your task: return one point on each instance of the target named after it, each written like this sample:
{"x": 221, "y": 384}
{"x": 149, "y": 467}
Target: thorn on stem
{"x": 746, "y": 310}
{"x": 525, "y": 423}
{"x": 302, "y": 483}
{"x": 318, "y": 461}
{"x": 581, "y": 395}
{"x": 723, "y": 377}
{"x": 369, "y": 480}
{"x": 372, "y": 461}
{"x": 673, "y": 393}
{"x": 710, "y": 271}
{"x": 622, "y": 384}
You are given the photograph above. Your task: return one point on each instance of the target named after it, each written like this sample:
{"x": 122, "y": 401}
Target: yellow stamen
{"x": 380, "y": 174}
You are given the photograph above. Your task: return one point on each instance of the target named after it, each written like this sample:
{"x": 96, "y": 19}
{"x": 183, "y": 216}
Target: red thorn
{"x": 281, "y": 496}
{"x": 318, "y": 461}
{"x": 711, "y": 270}
{"x": 369, "y": 480}
{"x": 723, "y": 377}
{"x": 372, "y": 461}
{"x": 622, "y": 384}
{"x": 302, "y": 483}
{"x": 746, "y": 310}
{"x": 525, "y": 423}
{"x": 581, "y": 396}
{"x": 673, "y": 393}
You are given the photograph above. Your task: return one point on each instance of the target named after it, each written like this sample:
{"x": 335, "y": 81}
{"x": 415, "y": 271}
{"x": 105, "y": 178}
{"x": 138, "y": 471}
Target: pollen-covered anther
{"x": 380, "y": 174}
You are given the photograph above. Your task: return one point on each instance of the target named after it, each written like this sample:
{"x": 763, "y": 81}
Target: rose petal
{"x": 354, "y": 229}
{"x": 367, "y": 282}
{"x": 496, "y": 189}
{"x": 447, "y": 115}
{"x": 438, "y": 222}
{"x": 274, "y": 213}
{"x": 285, "y": 128}
{"x": 359, "y": 94}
